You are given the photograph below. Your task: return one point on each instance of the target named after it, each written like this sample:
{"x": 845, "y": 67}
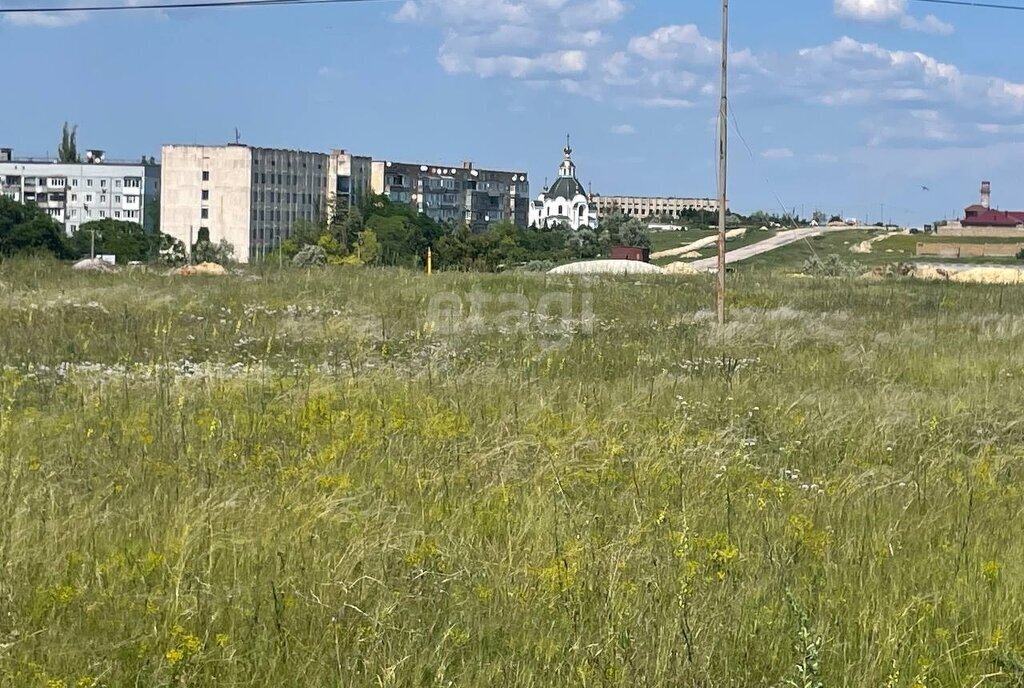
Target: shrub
{"x": 832, "y": 266}
{"x": 310, "y": 256}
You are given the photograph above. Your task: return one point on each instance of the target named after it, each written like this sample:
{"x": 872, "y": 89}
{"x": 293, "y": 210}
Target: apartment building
{"x": 476, "y": 197}
{"x": 252, "y": 197}
{"x": 654, "y": 207}
{"x": 76, "y": 193}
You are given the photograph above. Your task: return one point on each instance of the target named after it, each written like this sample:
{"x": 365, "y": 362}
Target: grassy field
{"x": 334, "y": 478}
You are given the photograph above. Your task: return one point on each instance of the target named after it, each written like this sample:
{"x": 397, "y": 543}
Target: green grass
{"x": 304, "y": 479}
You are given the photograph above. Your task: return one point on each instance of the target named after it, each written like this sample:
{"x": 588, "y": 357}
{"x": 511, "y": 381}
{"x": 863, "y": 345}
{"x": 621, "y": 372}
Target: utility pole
{"x": 92, "y": 244}
{"x": 723, "y": 140}
{"x": 190, "y": 244}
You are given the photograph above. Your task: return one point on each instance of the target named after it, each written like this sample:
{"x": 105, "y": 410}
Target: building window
{"x": 206, "y": 195}
{"x": 117, "y": 214}
{"x": 74, "y": 182}
{"x": 88, "y": 198}
{"x": 263, "y": 177}
{"x": 74, "y": 212}
{"x": 561, "y": 209}
{"x": 117, "y": 199}
{"x": 74, "y": 228}
{"x": 103, "y": 213}
{"x": 103, "y": 199}
{"x": 88, "y": 182}
{"x": 74, "y": 197}
{"x": 117, "y": 183}
{"x": 103, "y": 183}
{"x": 205, "y": 213}
{"x": 206, "y": 175}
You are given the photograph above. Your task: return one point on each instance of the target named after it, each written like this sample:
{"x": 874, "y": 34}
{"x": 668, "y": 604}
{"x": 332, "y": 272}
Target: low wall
{"x": 992, "y": 232}
{"x": 969, "y": 250}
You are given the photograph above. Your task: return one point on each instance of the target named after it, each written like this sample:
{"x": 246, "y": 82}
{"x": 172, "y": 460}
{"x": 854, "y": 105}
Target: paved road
{"x": 778, "y": 241}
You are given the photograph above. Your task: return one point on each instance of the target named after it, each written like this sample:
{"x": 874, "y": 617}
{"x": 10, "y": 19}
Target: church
{"x": 565, "y": 202}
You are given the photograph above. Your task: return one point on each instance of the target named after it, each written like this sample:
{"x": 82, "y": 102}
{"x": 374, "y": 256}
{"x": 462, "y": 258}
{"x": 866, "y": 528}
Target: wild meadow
{"x": 358, "y": 477}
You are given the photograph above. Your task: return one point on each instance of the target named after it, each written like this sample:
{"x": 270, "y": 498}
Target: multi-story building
{"x": 76, "y": 193}
{"x": 252, "y": 197}
{"x": 654, "y": 207}
{"x": 476, "y": 197}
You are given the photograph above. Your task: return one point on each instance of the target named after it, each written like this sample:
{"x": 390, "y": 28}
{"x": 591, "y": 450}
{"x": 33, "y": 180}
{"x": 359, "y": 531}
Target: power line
{"x": 195, "y": 4}
{"x": 970, "y": 3}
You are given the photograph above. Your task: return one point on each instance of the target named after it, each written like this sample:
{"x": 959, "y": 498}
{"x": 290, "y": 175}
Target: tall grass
{"x": 295, "y": 479}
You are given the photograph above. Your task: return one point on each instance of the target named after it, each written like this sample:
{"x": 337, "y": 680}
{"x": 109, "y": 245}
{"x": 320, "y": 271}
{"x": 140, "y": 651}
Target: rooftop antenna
{"x": 238, "y": 137}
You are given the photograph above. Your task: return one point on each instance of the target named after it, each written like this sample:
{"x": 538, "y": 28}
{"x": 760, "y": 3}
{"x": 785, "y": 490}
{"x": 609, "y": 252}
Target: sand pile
{"x": 989, "y": 275}
{"x": 929, "y": 272}
{"x": 202, "y": 269}
{"x": 681, "y": 268}
{"x": 604, "y": 267}
{"x": 698, "y": 245}
{"x": 865, "y": 246}
{"x": 94, "y": 265}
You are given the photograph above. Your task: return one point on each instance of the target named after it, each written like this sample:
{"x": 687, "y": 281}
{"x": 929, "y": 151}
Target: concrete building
{"x": 654, "y": 207}
{"x": 476, "y": 197}
{"x": 350, "y": 178}
{"x": 252, "y": 197}
{"x": 566, "y": 202}
{"x": 76, "y": 193}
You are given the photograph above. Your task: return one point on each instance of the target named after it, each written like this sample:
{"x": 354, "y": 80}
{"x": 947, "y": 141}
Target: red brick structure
{"x": 631, "y": 253}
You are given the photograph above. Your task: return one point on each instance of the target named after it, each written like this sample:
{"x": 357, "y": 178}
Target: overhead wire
{"x": 785, "y": 211}
{"x": 971, "y": 3}
{"x": 193, "y": 4}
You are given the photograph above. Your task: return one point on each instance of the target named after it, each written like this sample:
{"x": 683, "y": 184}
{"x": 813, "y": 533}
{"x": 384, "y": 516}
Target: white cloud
{"x": 408, "y": 12}
{"x": 512, "y": 38}
{"x": 871, "y": 10}
{"x": 623, "y": 129}
{"x": 872, "y": 74}
{"x": 777, "y": 154}
{"x": 675, "y": 103}
{"x": 911, "y": 127}
{"x": 46, "y": 20}
{"x": 890, "y": 11}
{"x": 928, "y": 24}
{"x": 676, "y": 42}
{"x": 825, "y": 158}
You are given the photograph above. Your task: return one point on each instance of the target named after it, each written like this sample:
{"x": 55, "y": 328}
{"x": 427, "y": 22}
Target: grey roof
{"x": 567, "y": 188}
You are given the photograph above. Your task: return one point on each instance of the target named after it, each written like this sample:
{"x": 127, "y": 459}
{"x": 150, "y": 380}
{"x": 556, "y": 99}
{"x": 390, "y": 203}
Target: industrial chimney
{"x": 986, "y": 195}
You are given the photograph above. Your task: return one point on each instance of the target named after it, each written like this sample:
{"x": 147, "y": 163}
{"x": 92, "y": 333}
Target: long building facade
{"x": 654, "y": 207}
{"x": 76, "y": 193}
{"x": 253, "y": 197}
{"x": 446, "y": 194}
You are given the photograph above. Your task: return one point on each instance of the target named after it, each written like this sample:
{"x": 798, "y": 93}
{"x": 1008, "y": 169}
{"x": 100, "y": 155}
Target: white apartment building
{"x": 654, "y": 207}
{"x": 252, "y": 197}
{"x": 76, "y": 193}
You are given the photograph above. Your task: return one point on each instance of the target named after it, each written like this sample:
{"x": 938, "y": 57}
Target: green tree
{"x": 126, "y": 240}
{"x": 634, "y": 233}
{"x": 367, "y": 248}
{"x": 205, "y": 251}
{"x": 68, "y": 149}
{"x": 28, "y": 229}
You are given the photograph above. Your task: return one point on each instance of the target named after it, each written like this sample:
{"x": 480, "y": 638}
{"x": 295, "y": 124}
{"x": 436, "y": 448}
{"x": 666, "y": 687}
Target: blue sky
{"x": 845, "y": 105}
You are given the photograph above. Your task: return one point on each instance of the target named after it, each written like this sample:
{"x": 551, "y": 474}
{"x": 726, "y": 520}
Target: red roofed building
{"x": 982, "y": 214}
